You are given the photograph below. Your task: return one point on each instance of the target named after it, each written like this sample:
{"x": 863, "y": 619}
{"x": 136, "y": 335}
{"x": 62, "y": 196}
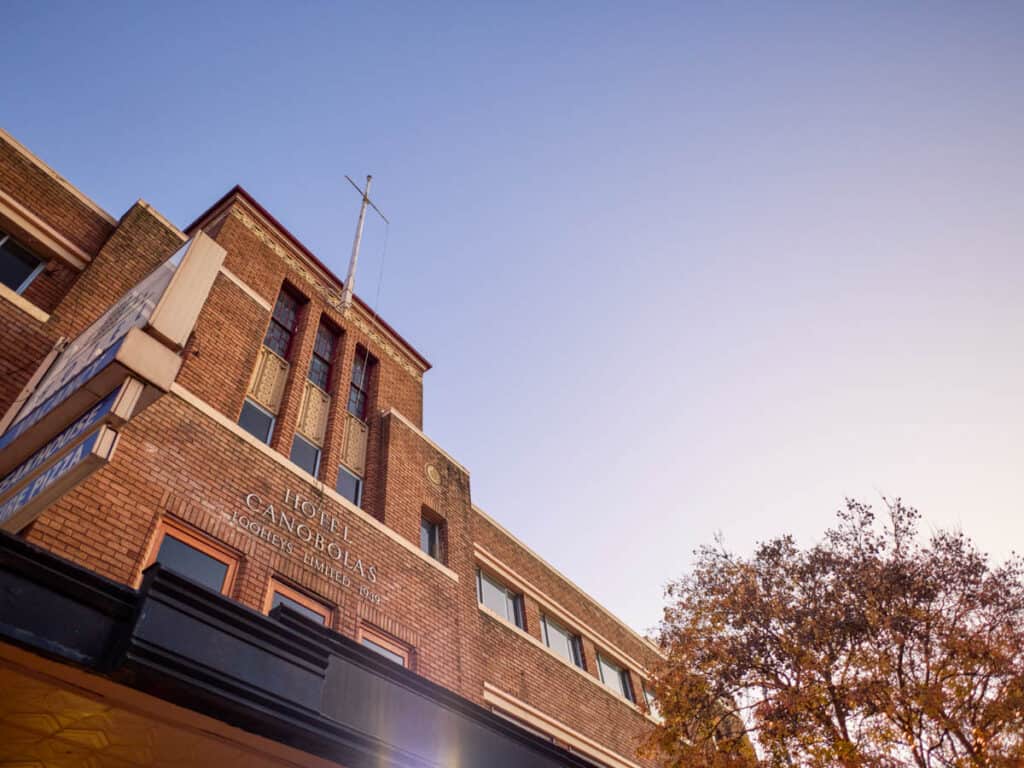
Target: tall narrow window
{"x": 18, "y": 267}
{"x": 500, "y": 599}
{"x": 323, "y": 356}
{"x": 562, "y": 641}
{"x": 430, "y": 536}
{"x": 193, "y": 556}
{"x": 358, "y": 392}
{"x": 615, "y": 677}
{"x": 282, "y": 324}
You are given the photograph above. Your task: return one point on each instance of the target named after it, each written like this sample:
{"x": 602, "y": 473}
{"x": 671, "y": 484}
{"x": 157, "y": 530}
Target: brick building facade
{"x": 282, "y": 468}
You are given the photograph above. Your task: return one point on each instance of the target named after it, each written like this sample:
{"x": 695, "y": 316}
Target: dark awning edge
{"x": 282, "y": 677}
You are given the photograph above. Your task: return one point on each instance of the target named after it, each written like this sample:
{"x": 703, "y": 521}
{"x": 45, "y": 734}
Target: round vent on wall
{"x": 433, "y": 474}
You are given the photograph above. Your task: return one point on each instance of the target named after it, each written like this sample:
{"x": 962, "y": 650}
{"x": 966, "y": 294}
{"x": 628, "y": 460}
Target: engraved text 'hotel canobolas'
{"x": 315, "y": 529}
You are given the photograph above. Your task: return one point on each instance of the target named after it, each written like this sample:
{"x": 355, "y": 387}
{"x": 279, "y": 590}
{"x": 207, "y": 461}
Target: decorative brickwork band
{"x": 331, "y": 295}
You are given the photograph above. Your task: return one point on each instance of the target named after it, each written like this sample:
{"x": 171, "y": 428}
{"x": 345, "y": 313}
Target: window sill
{"x": 23, "y": 304}
{"x": 582, "y": 672}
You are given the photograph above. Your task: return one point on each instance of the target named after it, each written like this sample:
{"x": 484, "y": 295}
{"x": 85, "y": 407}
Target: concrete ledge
{"x": 23, "y": 304}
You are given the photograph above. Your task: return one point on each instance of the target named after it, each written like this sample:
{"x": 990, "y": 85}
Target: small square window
{"x": 194, "y": 557}
{"x": 306, "y": 455}
{"x": 350, "y": 486}
{"x": 18, "y": 267}
{"x": 256, "y": 421}
{"x": 430, "y": 537}
{"x": 500, "y": 599}
{"x": 385, "y": 645}
{"x": 282, "y": 594}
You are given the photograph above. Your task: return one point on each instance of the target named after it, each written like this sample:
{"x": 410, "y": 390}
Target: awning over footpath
{"x": 173, "y": 674}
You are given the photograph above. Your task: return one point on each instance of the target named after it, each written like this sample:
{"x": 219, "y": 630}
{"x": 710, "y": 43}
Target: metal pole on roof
{"x": 350, "y": 278}
{"x": 346, "y": 296}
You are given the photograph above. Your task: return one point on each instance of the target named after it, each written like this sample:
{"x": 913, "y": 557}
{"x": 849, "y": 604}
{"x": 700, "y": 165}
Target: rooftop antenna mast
{"x": 350, "y": 278}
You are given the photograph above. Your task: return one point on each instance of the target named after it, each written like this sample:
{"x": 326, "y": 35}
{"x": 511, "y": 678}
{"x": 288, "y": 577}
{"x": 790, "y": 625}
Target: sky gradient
{"x": 680, "y": 269}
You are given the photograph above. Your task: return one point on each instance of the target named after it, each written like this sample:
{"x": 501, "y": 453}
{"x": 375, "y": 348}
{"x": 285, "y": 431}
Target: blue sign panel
{"x": 59, "y": 443}
{"x": 43, "y": 481}
{"x": 61, "y": 394}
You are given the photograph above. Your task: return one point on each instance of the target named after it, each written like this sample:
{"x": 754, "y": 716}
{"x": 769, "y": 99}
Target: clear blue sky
{"x": 679, "y": 268}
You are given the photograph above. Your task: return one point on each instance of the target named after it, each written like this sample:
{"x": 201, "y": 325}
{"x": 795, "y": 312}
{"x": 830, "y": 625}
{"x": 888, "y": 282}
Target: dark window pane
{"x": 359, "y": 370}
{"x": 320, "y": 372}
{"x": 326, "y": 339}
{"x": 627, "y": 689}
{"x": 190, "y": 562}
{"x": 278, "y": 338}
{"x": 305, "y": 454}
{"x": 295, "y": 605}
{"x": 357, "y": 403}
{"x": 349, "y": 486}
{"x": 16, "y": 263}
{"x": 256, "y": 421}
{"x": 430, "y": 538}
{"x": 387, "y": 653}
{"x": 286, "y": 310}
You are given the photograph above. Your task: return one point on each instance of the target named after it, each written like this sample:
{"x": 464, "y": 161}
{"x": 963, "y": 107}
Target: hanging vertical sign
{"x": 65, "y": 428}
{"x": 74, "y": 466}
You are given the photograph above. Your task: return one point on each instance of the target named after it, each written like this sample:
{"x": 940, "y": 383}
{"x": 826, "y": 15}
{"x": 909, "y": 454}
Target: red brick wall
{"x": 24, "y": 342}
{"x": 51, "y": 285}
{"x": 173, "y": 460}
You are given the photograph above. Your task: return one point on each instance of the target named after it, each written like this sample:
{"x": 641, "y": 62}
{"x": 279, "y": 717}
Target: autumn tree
{"x": 872, "y": 648}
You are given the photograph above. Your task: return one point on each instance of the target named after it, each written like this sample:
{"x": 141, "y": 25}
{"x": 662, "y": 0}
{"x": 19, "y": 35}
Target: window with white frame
{"x": 562, "y": 641}
{"x": 500, "y": 599}
{"x": 615, "y": 677}
{"x": 18, "y": 265}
